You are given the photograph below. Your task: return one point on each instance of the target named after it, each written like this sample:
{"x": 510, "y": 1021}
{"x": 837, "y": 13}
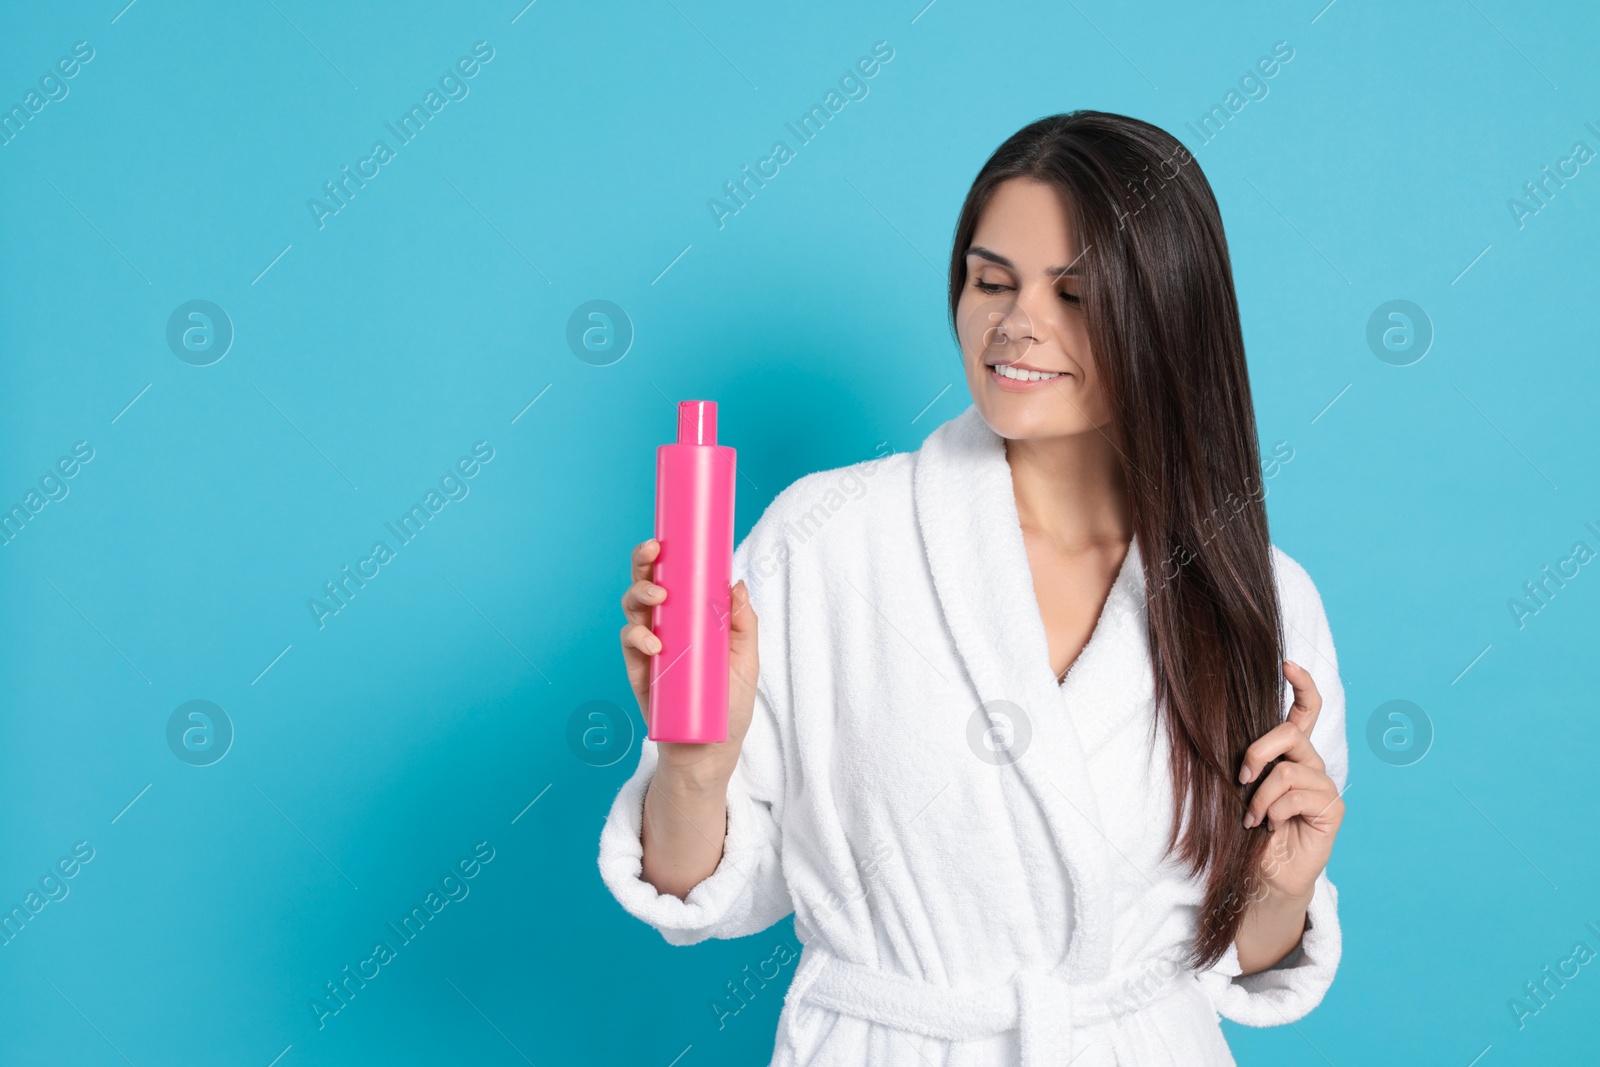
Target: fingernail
{"x": 653, "y": 590}
{"x": 655, "y": 644}
{"x": 1249, "y": 819}
{"x": 1245, "y": 774}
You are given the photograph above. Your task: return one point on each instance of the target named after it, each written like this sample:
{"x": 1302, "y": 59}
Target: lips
{"x": 1012, "y": 375}
{"x": 1018, "y": 364}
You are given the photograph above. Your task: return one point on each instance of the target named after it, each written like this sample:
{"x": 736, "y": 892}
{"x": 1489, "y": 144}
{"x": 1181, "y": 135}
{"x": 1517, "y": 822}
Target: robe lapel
{"x": 967, "y": 515}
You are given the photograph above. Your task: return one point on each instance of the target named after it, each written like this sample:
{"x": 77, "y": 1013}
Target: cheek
{"x": 964, "y": 320}
{"x": 1096, "y": 404}
{"x": 977, "y": 318}
{"x": 969, "y": 330}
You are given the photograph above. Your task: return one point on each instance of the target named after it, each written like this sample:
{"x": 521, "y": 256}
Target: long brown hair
{"x": 1163, "y": 323}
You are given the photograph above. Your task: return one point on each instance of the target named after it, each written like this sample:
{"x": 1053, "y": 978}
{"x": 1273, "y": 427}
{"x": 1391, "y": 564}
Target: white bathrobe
{"x": 973, "y": 852}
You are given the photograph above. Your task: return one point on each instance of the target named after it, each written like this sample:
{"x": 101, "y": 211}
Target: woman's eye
{"x": 989, "y": 287}
{"x": 1070, "y": 298}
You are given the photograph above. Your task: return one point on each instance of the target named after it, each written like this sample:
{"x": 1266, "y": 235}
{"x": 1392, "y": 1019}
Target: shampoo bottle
{"x": 694, "y": 524}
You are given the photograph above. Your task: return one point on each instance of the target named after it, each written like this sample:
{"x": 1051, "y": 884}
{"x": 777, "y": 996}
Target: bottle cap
{"x": 697, "y": 422}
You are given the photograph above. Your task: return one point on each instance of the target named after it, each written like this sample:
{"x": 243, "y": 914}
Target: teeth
{"x": 1023, "y": 375}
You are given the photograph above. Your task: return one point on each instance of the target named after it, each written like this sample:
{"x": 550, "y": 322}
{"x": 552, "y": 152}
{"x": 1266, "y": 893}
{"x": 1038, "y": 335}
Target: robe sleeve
{"x": 1290, "y": 989}
{"x": 747, "y": 892}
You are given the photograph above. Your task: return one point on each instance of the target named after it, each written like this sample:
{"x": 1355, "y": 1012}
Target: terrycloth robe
{"x": 974, "y": 853}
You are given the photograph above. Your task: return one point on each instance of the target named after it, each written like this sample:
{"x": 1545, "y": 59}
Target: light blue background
{"x": 425, "y": 316}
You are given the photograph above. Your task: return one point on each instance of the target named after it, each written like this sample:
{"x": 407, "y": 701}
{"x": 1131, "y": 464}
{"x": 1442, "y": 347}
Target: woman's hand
{"x": 685, "y": 807}
{"x": 709, "y": 764}
{"x": 1299, "y": 803}
{"x": 1302, "y": 809}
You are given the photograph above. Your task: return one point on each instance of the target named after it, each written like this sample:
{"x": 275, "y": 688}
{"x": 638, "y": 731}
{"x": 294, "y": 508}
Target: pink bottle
{"x": 694, "y": 523}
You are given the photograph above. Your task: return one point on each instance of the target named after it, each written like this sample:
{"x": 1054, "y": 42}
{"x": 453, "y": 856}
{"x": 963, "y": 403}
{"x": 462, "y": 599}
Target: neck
{"x": 1071, "y": 491}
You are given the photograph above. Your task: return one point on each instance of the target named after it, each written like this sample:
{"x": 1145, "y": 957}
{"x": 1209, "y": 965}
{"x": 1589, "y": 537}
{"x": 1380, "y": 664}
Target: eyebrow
{"x": 995, "y": 257}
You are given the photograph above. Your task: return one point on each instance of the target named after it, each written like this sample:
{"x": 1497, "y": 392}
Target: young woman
{"x": 1039, "y": 737}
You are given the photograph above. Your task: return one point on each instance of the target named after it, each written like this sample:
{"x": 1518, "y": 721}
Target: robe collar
{"x": 967, "y": 515}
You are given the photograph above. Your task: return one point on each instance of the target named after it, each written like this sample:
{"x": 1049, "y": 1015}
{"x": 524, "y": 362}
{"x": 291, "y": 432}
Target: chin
{"x": 1023, "y": 418}
{"x": 1029, "y": 418}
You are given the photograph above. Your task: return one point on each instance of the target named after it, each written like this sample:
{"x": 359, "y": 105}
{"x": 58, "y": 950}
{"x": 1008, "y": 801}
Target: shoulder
{"x": 1305, "y": 619}
{"x": 831, "y": 489}
{"x": 1308, "y": 641}
{"x": 1296, "y": 590}
{"x": 836, "y": 506}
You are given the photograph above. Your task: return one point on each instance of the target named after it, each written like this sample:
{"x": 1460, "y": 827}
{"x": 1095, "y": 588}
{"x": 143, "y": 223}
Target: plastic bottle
{"x": 694, "y": 524}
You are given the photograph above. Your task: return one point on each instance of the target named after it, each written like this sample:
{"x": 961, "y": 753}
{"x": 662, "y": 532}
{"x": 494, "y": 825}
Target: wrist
{"x": 1286, "y": 903}
{"x": 1273, "y": 928}
{"x": 694, "y": 781}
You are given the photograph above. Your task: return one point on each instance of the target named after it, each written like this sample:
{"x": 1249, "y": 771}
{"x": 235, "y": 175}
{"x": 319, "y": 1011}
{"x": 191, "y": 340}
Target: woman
{"x": 949, "y": 753}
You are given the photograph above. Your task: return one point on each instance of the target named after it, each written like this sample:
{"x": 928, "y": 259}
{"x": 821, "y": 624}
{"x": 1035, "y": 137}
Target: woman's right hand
{"x": 711, "y": 763}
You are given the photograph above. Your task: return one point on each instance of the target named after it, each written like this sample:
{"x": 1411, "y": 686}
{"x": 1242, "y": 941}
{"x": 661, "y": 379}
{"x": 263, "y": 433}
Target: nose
{"x": 1018, "y": 325}
{"x": 1015, "y": 327}
{"x": 1035, "y": 307}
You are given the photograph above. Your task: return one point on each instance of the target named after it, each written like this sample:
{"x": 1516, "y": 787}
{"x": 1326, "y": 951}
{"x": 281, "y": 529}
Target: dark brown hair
{"x": 1163, "y": 324}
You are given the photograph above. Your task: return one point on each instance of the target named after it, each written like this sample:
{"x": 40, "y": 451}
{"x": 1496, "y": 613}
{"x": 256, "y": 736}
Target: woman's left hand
{"x": 1299, "y": 803}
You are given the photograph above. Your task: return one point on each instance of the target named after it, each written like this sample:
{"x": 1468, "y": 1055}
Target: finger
{"x": 636, "y": 642}
{"x": 742, "y": 616}
{"x": 1286, "y": 740}
{"x": 644, "y": 559}
{"x": 743, "y": 643}
{"x": 1322, "y": 809}
{"x": 1307, "y": 698}
{"x": 1280, "y": 780}
{"x": 639, "y": 598}
{"x": 637, "y": 639}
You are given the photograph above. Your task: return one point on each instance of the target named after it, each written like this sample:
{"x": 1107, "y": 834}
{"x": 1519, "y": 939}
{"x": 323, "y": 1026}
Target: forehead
{"x": 1026, "y": 221}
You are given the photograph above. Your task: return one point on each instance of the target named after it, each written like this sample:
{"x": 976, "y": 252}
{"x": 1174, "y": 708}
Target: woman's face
{"x": 1020, "y": 320}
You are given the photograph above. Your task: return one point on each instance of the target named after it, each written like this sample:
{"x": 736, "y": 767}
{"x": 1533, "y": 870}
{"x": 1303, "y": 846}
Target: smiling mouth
{"x": 1020, "y": 374}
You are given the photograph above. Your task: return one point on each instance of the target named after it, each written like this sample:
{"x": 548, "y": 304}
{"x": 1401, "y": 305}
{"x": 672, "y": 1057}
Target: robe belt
{"x": 1042, "y": 1006}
